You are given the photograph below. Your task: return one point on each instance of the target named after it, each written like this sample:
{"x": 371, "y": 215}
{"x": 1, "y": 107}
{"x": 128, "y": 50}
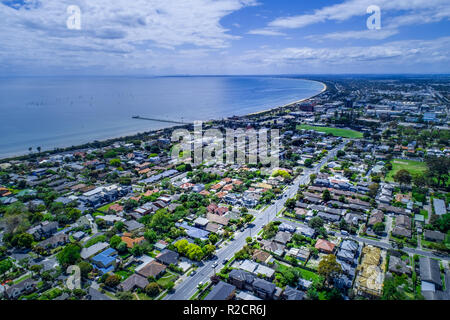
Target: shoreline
{"x": 290, "y": 103}
{"x": 129, "y": 136}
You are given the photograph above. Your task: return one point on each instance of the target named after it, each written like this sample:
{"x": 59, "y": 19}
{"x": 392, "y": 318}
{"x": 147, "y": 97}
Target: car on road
{"x": 200, "y": 284}
{"x": 193, "y": 273}
{"x": 214, "y": 264}
{"x": 224, "y": 261}
{"x": 344, "y": 232}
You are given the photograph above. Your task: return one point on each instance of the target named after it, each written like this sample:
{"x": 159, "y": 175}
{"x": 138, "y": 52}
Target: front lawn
{"x": 166, "y": 279}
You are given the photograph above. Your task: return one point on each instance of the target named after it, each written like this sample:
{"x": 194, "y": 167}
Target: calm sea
{"x": 61, "y": 112}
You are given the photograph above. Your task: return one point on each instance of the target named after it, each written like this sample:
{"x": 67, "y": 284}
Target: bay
{"x": 63, "y": 111}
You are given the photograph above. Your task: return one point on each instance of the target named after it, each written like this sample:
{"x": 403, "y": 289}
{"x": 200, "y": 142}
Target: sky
{"x": 226, "y": 37}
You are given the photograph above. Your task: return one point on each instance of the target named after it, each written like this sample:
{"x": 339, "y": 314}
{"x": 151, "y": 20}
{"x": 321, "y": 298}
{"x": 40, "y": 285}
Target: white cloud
{"x": 382, "y": 57}
{"x": 351, "y": 8}
{"x": 266, "y": 32}
{"x": 362, "y": 34}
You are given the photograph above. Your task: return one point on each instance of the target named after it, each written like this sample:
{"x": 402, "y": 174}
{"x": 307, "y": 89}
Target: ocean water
{"x": 63, "y": 111}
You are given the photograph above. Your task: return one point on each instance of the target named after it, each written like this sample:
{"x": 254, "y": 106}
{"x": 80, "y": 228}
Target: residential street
{"x": 186, "y": 289}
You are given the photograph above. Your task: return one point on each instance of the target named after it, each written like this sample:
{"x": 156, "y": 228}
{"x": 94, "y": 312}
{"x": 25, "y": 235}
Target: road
{"x": 378, "y": 243}
{"x": 188, "y": 287}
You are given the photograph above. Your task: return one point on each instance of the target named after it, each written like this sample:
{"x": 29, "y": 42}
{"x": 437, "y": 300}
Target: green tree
{"x": 438, "y": 167}
{"x": 182, "y": 246}
{"x": 70, "y": 255}
{"x": 403, "y": 177}
{"x": 326, "y": 195}
{"x": 152, "y": 289}
{"x": 194, "y": 252}
{"x": 378, "y": 227}
{"x": 122, "y": 247}
{"x": 373, "y": 190}
{"x": 329, "y": 268}
{"x": 115, "y": 162}
{"x": 213, "y": 238}
{"x": 5, "y": 265}
{"x": 290, "y": 204}
{"x": 85, "y": 268}
{"x": 115, "y": 241}
{"x": 209, "y": 250}
{"x": 25, "y": 240}
{"x": 316, "y": 223}
{"x": 112, "y": 280}
{"x": 151, "y": 236}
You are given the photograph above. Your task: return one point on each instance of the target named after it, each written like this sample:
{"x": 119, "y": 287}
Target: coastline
{"x": 136, "y": 134}
{"x": 291, "y": 103}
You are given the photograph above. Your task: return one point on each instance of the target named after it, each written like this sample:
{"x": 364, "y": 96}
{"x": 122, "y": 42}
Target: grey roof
{"x": 350, "y": 245}
{"x": 21, "y": 286}
{"x": 429, "y": 271}
{"x": 133, "y": 225}
{"x": 134, "y": 281}
{"x": 293, "y": 294}
{"x": 434, "y": 235}
{"x": 221, "y": 291}
{"x": 168, "y": 257}
{"x": 264, "y": 285}
{"x": 283, "y": 237}
{"x": 439, "y": 206}
{"x": 396, "y": 265}
{"x": 242, "y": 275}
{"x": 92, "y": 250}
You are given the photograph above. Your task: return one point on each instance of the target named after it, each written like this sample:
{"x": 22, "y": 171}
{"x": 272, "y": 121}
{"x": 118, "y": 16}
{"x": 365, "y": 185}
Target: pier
{"x": 159, "y": 120}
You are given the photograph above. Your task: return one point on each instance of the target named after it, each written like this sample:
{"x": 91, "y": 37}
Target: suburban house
{"x": 241, "y": 279}
{"x": 133, "y": 282}
{"x": 283, "y": 237}
{"x": 292, "y": 294}
{"x": 54, "y": 241}
{"x": 106, "y": 261}
{"x": 222, "y": 291}
{"x": 398, "y": 266}
{"x": 86, "y": 253}
{"x": 44, "y": 230}
{"x": 264, "y": 289}
{"x": 324, "y": 246}
{"x": 434, "y": 236}
{"x": 23, "y": 287}
{"x": 152, "y": 269}
{"x": 430, "y": 274}
{"x": 168, "y": 257}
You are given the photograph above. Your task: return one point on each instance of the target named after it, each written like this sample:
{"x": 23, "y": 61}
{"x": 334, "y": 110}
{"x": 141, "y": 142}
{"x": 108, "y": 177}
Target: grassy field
{"x": 413, "y": 167}
{"x": 337, "y": 132}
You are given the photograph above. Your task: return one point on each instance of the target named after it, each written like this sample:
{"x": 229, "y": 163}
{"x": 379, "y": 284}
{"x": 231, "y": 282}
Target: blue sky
{"x": 167, "y": 37}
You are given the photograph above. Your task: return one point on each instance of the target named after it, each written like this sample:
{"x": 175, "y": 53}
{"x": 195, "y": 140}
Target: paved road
{"x": 187, "y": 288}
{"x": 378, "y": 243}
